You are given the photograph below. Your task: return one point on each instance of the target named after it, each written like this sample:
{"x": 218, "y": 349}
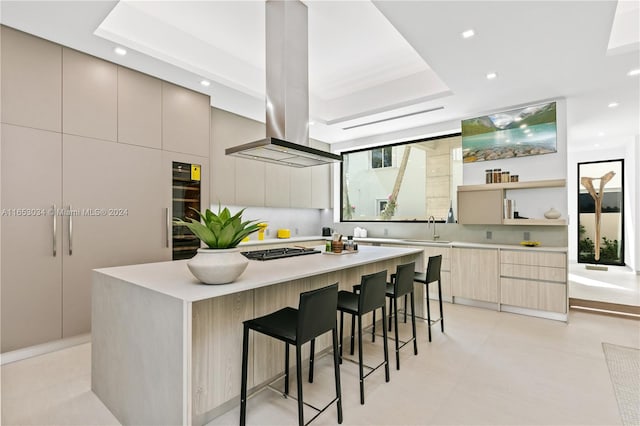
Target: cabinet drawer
{"x": 521, "y": 293}
{"x": 546, "y": 273}
{"x": 519, "y": 271}
{"x": 520, "y": 257}
{"x": 552, "y": 297}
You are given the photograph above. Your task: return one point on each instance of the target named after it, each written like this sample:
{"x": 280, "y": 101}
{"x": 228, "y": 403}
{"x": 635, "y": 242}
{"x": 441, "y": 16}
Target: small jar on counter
{"x": 497, "y": 175}
{"x": 514, "y": 178}
{"x": 488, "y": 176}
{"x": 505, "y": 177}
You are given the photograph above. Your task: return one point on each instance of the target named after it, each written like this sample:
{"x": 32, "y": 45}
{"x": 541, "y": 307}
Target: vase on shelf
{"x": 552, "y": 213}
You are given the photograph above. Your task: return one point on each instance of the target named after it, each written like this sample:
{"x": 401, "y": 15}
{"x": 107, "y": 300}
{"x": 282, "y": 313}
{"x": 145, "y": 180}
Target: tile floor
{"x": 489, "y": 368}
{"x": 617, "y": 285}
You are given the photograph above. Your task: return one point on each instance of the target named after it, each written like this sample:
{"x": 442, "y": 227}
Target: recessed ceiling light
{"x": 634, "y": 72}
{"x": 613, "y": 105}
{"x": 120, "y": 51}
{"x": 600, "y": 133}
{"x": 468, "y": 33}
{"x": 205, "y": 83}
{"x": 491, "y": 75}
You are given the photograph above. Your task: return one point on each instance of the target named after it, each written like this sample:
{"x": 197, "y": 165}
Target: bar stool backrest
{"x": 433, "y": 268}
{"x": 316, "y": 313}
{"x": 404, "y": 279}
{"x": 372, "y": 291}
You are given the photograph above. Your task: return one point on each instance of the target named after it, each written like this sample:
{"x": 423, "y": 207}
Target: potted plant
{"x": 221, "y": 262}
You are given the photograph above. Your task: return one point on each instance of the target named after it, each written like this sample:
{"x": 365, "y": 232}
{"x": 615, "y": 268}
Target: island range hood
{"x": 287, "y": 89}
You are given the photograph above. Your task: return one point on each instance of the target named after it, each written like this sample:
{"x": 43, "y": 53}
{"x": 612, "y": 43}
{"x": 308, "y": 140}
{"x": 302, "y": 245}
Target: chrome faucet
{"x": 432, "y": 219}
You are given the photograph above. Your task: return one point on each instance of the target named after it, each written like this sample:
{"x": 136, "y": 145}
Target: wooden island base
{"x": 167, "y": 349}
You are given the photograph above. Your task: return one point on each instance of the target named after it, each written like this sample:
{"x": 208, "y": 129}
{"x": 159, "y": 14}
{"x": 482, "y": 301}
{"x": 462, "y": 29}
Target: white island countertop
{"x": 174, "y": 278}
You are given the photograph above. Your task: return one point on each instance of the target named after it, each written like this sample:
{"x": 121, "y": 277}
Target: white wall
{"x": 629, "y": 151}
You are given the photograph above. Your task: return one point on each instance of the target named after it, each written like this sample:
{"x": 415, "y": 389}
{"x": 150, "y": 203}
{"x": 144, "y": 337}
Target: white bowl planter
{"x": 218, "y": 266}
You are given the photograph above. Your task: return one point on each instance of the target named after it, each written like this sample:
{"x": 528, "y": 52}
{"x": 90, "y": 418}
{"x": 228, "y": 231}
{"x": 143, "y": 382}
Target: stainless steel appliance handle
{"x": 168, "y": 222}
{"x": 55, "y": 230}
{"x": 70, "y": 230}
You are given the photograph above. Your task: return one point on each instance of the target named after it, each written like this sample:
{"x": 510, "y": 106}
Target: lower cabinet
{"x": 474, "y": 274}
{"x": 534, "y": 280}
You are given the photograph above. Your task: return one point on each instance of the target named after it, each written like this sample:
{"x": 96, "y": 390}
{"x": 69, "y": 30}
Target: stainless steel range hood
{"x": 287, "y": 84}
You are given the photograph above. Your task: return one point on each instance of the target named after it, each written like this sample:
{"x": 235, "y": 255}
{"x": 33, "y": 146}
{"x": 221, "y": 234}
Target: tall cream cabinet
{"x": 31, "y": 303}
{"x": 85, "y": 181}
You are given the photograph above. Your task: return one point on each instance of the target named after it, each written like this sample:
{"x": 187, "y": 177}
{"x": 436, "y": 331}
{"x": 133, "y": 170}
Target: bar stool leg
{"x": 299, "y": 380}
{"x": 373, "y": 329}
{"x": 360, "y": 360}
{"x": 391, "y": 311}
{"x": 395, "y": 322}
{"x": 413, "y": 323}
{"x": 311, "y": 358}
{"x": 386, "y": 346}
{"x": 405, "y": 308}
{"x": 428, "y": 314}
{"x": 353, "y": 330}
{"x": 243, "y": 388}
{"x": 341, "y": 333}
{"x": 336, "y": 370}
{"x": 286, "y": 368}
{"x": 440, "y": 301}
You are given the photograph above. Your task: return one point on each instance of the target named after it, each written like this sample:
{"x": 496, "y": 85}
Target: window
{"x": 409, "y": 181}
{"x": 381, "y": 157}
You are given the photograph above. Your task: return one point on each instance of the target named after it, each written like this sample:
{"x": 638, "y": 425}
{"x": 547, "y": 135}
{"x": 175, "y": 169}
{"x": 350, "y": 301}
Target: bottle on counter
{"x": 349, "y": 245}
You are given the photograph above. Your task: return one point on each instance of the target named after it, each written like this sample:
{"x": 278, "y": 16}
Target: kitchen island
{"x": 167, "y": 349}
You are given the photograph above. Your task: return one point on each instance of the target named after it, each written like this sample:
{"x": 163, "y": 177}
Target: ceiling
{"x": 372, "y": 61}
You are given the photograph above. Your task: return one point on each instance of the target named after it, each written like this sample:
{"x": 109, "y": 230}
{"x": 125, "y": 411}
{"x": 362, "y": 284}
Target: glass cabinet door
{"x": 186, "y": 200}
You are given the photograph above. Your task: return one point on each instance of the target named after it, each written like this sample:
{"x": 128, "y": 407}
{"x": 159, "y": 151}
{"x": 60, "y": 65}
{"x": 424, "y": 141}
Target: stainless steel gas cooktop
{"x": 278, "y": 253}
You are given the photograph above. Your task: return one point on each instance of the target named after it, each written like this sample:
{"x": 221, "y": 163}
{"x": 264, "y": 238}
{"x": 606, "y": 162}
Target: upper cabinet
{"x": 89, "y": 96}
{"x": 31, "y": 81}
{"x": 185, "y": 120}
{"x": 321, "y": 180}
{"x": 483, "y": 204}
{"x": 139, "y": 109}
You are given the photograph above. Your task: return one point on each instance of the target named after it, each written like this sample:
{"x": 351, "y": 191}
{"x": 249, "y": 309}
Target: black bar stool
{"x": 432, "y": 275}
{"x": 371, "y": 297}
{"x": 316, "y": 315}
{"x": 402, "y": 285}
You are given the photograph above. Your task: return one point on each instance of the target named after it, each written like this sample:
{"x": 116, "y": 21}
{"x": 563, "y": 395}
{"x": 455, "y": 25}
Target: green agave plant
{"x": 220, "y": 231}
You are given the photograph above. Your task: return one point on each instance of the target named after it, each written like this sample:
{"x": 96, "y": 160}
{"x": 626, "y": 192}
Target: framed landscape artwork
{"x": 516, "y": 133}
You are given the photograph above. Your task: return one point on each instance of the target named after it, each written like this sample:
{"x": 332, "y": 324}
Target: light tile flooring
{"x": 617, "y": 285}
{"x": 488, "y": 368}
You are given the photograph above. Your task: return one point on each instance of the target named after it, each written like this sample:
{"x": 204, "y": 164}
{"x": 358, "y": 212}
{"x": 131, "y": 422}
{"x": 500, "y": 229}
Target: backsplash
{"x": 301, "y": 222}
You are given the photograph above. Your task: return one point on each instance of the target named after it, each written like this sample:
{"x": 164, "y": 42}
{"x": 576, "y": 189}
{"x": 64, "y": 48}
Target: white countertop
{"x": 174, "y": 279}
{"x": 462, "y": 244}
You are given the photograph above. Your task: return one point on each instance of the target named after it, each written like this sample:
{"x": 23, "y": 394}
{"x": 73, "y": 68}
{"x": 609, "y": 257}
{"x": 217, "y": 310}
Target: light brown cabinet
{"x": 474, "y": 274}
{"x": 534, "y": 280}
{"x": 31, "y": 81}
{"x": 139, "y": 109}
{"x": 89, "y": 96}
{"x": 185, "y": 120}
{"x": 483, "y": 204}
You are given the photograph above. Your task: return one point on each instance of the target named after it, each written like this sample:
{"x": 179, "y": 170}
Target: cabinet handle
{"x": 70, "y": 230}
{"x": 55, "y": 230}
{"x": 168, "y": 222}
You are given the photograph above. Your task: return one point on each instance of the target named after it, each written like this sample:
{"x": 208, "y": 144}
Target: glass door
{"x": 186, "y": 200}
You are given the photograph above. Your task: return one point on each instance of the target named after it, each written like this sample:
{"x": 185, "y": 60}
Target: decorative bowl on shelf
{"x": 530, "y": 243}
